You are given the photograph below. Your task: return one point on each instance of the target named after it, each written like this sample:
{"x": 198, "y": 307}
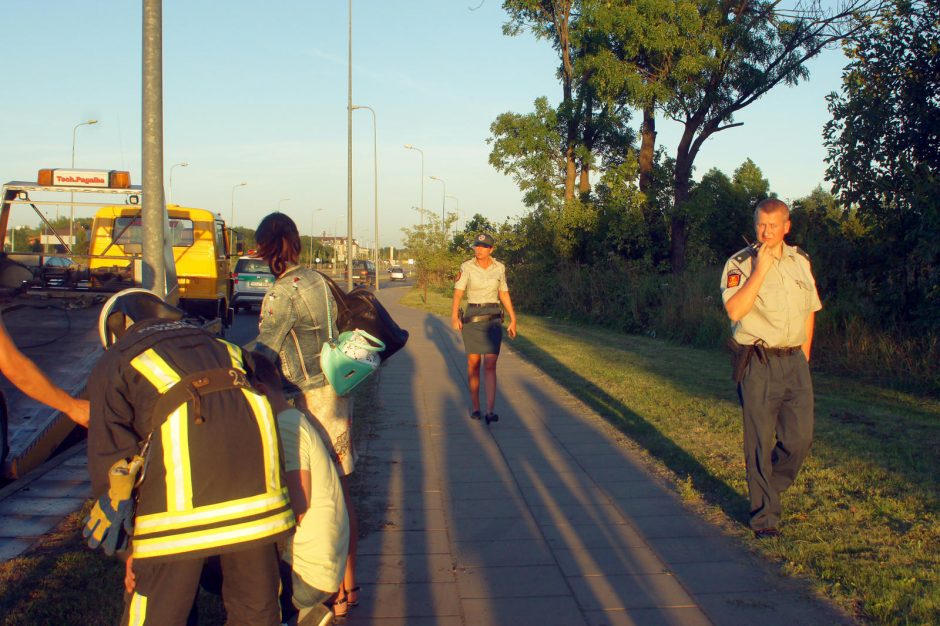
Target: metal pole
{"x": 421, "y": 152}
{"x": 443, "y": 198}
{"x": 349, "y": 161}
{"x": 154, "y": 271}
{"x": 170, "y": 193}
{"x": 375, "y": 170}
{"x": 232, "y": 223}
{"x": 72, "y": 195}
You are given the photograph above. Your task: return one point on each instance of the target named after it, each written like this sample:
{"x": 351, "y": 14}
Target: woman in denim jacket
{"x": 292, "y": 329}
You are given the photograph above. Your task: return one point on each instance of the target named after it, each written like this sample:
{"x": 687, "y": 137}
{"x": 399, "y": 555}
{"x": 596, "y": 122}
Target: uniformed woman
{"x": 483, "y": 280}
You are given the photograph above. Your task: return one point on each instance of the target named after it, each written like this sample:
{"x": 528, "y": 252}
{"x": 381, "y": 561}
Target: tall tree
{"x": 758, "y": 46}
{"x": 884, "y": 152}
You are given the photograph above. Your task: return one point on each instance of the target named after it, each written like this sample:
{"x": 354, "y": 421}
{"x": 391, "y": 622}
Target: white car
{"x": 396, "y": 272}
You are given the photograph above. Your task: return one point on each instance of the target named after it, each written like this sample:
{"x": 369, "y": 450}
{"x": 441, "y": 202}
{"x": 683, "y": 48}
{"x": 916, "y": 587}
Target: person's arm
{"x": 507, "y": 304}
{"x": 29, "y": 379}
{"x": 455, "y": 320}
{"x": 273, "y": 329}
{"x": 810, "y": 327}
{"x": 298, "y": 488}
{"x": 741, "y": 303}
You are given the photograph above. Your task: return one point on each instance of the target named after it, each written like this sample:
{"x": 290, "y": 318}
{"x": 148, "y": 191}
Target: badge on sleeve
{"x": 734, "y": 279}
{"x": 459, "y": 274}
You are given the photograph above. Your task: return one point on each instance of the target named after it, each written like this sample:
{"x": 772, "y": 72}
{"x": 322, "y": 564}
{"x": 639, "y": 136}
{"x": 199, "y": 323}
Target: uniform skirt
{"x": 483, "y": 337}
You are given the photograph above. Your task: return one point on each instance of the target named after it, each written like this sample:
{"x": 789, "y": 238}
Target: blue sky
{"x": 256, "y": 92}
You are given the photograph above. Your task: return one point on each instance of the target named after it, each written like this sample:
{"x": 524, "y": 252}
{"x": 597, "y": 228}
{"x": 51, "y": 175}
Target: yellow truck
{"x": 199, "y": 242}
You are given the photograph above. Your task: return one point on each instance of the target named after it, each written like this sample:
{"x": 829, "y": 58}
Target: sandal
{"x": 492, "y": 417}
{"x": 355, "y": 602}
{"x": 340, "y": 607}
{"x": 475, "y": 415}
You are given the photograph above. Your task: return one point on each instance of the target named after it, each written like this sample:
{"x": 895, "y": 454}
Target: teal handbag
{"x": 350, "y": 358}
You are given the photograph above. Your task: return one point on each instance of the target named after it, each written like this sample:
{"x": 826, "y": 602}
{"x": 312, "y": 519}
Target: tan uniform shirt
{"x": 482, "y": 286}
{"x": 786, "y": 298}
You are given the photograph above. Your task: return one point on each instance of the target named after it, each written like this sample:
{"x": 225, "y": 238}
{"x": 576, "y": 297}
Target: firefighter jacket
{"x": 213, "y": 476}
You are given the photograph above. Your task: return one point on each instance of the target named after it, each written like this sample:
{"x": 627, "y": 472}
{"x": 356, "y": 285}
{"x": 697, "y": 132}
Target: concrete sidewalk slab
{"x": 549, "y": 516}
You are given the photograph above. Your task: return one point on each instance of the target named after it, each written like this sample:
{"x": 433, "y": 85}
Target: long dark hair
{"x": 278, "y": 242}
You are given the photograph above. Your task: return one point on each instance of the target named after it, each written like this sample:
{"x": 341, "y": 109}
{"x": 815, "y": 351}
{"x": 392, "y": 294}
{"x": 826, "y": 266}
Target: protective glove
{"x": 111, "y": 521}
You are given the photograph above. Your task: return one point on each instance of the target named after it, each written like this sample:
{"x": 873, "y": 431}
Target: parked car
{"x": 396, "y": 272}
{"x": 57, "y": 272}
{"x": 251, "y": 280}
{"x": 363, "y": 272}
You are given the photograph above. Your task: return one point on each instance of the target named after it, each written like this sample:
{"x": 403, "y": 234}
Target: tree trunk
{"x": 647, "y": 148}
{"x": 679, "y": 227}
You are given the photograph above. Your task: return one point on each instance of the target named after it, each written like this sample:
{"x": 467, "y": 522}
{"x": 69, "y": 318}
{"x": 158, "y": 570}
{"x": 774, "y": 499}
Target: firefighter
{"x": 175, "y": 419}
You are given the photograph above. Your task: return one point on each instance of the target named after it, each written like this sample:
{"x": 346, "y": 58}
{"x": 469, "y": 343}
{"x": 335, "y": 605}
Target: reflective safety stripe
{"x": 231, "y": 511}
{"x": 176, "y": 462}
{"x": 155, "y": 369}
{"x": 137, "y": 611}
{"x": 215, "y": 537}
{"x": 235, "y": 353}
{"x": 265, "y": 418}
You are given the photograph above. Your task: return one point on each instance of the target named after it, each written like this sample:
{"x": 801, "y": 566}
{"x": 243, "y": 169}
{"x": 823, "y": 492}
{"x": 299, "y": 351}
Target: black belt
{"x": 472, "y": 305}
{"x": 193, "y": 387}
{"x": 789, "y": 351}
{"x": 483, "y": 318}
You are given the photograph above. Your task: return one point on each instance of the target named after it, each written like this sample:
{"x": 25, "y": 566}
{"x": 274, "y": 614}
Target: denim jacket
{"x": 292, "y": 326}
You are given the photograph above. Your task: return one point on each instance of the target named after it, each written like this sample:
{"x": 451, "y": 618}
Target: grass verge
{"x": 60, "y": 581}
{"x": 861, "y": 522}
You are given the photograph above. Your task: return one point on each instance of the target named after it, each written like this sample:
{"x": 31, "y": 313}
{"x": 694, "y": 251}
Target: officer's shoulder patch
{"x": 459, "y": 274}
{"x": 733, "y": 279}
{"x": 742, "y": 255}
{"x": 803, "y": 253}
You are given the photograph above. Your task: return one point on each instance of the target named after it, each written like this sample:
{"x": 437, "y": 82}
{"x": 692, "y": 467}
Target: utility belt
{"x": 471, "y": 316}
{"x": 741, "y": 356}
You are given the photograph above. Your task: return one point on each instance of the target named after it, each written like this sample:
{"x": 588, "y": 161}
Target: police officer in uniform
{"x": 483, "y": 279}
{"x": 174, "y": 397}
{"x": 770, "y": 296}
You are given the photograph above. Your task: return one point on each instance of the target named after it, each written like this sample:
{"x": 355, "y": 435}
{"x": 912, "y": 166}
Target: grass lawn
{"x": 861, "y": 522}
{"x": 60, "y": 582}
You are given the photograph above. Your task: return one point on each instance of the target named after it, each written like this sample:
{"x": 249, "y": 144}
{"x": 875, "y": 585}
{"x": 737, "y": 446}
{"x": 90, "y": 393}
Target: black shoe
{"x": 492, "y": 417}
{"x": 475, "y": 415}
{"x": 767, "y": 533}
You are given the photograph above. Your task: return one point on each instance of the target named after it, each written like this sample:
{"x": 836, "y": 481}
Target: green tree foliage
{"x": 884, "y": 155}
{"x": 464, "y": 239}
{"x": 435, "y": 261}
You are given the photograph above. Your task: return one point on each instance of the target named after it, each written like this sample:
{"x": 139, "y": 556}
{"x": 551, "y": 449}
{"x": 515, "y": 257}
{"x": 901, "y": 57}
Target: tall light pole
{"x": 349, "y": 161}
{"x": 279, "y": 202}
{"x": 232, "y": 224}
{"x": 72, "y": 200}
{"x": 170, "y": 193}
{"x": 408, "y": 146}
{"x": 375, "y": 168}
{"x": 443, "y": 198}
{"x": 457, "y": 209}
{"x": 313, "y": 230}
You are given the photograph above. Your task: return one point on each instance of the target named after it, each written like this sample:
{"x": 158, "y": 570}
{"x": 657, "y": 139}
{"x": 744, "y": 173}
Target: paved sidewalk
{"x": 542, "y": 518}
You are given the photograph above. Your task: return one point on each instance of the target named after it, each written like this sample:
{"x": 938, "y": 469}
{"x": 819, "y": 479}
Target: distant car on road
{"x": 57, "y": 272}
{"x": 396, "y": 272}
{"x": 363, "y": 272}
{"x": 252, "y": 278}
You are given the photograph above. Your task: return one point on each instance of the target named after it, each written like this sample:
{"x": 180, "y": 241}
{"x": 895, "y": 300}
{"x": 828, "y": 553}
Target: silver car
{"x": 396, "y": 272}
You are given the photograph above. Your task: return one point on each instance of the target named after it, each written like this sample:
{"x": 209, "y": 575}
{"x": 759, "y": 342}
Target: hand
{"x": 763, "y": 261}
{"x": 130, "y": 580}
{"x": 456, "y": 323}
{"x": 79, "y": 412}
{"x": 511, "y": 329}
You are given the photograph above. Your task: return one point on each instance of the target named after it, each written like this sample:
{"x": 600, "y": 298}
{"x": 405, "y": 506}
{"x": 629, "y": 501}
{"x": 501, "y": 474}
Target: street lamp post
{"x": 411, "y": 147}
{"x": 457, "y": 209}
{"x": 313, "y": 230}
{"x": 279, "y": 203}
{"x": 375, "y": 168}
{"x": 232, "y": 225}
{"x": 170, "y": 192}
{"x": 349, "y": 160}
{"x": 443, "y": 198}
{"x": 72, "y": 206}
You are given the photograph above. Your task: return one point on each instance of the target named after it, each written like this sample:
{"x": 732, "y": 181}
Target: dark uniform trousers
{"x": 777, "y": 401}
{"x": 249, "y": 589}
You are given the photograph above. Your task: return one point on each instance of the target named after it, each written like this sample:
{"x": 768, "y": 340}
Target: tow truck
{"x": 195, "y": 264}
